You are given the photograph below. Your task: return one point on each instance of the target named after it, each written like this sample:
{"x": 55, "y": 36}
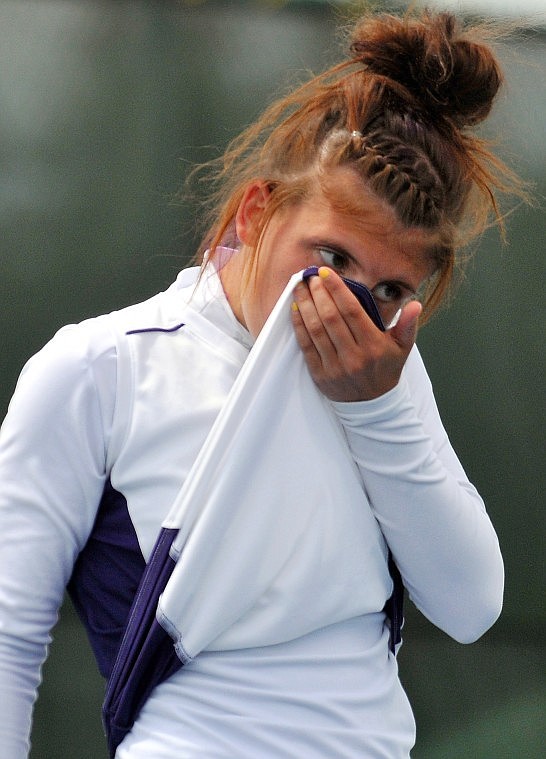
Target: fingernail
{"x": 324, "y": 272}
{"x": 294, "y": 306}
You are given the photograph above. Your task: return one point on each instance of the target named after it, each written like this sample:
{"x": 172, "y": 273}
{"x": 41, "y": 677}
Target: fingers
{"x": 325, "y": 316}
{"x": 325, "y": 320}
{"x": 331, "y": 313}
{"x": 310, "y": 330}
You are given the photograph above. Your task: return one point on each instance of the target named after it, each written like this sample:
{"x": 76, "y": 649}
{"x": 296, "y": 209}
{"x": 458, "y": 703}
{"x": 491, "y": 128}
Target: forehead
{"x": 347, "y": 193}
{"x": 342, "y": 195}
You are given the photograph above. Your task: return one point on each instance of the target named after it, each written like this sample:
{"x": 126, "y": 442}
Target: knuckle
{"x": 354, "y": 366}
{"x": 315, "y": 329}
{"x": 329, "y": 316}
{"x": 354, "y": 309}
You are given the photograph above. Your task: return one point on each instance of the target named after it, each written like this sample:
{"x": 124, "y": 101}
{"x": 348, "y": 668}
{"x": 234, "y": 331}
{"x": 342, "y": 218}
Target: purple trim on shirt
{"x": 147, "y": 655}
{"x": 154, "y": 329}
{"x": 106, "y": 576}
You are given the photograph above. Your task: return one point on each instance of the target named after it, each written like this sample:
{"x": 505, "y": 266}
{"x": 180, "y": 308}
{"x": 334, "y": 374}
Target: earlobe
{"x": 250, "y": 212}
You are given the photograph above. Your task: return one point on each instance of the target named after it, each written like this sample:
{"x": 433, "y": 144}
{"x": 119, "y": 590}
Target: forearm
{"x": 20, "y": 664}
{"x": 35, "y": 560}
{"x": 433, "y": 519}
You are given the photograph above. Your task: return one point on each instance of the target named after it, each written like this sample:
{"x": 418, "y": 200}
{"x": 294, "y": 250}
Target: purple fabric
{"x": 105, "y": 577}
{"x": 146, "y": 656}
{"x": 363, "y": 294}
{"x": 394, "y": 608}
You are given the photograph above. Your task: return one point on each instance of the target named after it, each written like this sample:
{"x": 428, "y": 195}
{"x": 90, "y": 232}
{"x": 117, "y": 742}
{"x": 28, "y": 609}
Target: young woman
{"x": 286, "y": 518}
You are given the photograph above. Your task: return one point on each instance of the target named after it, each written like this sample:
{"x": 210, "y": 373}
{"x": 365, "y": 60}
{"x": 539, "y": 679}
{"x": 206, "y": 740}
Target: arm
{"x": 52, "y": 453}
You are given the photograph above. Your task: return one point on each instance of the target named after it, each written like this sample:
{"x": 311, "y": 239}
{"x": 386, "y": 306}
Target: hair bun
{"x": 435, "y": 60}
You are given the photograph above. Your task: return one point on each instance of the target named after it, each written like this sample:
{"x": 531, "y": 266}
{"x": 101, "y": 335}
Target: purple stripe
{"x": 154, "y": 329}
{"x": 146, "y": 656}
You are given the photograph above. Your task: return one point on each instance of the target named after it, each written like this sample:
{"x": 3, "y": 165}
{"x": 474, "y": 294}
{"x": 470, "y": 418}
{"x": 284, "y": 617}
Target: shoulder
{"x": 162, "y": 311}
{"x": 69, "y": 381}
{"x": 92, "y": 346}
{"x": 70, "y": 354}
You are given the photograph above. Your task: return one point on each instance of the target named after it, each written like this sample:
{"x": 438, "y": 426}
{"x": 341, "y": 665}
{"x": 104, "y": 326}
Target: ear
{"x": 250, "y": 212}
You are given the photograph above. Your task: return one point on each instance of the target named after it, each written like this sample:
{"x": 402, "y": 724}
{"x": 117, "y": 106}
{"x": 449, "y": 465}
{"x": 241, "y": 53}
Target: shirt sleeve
{"x": 52, "y": 472}
{"x": 432, "y": 517}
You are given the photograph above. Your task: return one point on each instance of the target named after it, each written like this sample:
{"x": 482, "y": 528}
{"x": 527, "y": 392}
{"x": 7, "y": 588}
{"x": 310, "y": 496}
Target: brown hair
{"x": 399, "y": 111}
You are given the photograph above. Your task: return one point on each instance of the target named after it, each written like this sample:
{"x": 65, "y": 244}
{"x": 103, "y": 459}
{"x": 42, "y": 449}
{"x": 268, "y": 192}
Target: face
{"x": 370, "y": 248}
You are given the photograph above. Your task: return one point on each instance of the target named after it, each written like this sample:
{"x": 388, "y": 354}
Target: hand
{"x": 349, "y": 358}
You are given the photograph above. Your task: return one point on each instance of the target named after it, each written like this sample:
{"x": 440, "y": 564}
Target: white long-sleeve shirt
{"x": 93, "y": 413}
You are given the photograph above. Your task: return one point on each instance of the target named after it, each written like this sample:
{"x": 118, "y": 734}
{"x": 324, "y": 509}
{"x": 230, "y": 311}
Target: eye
{"x": 387, "y": 292}
{"x": 333, "y": 258}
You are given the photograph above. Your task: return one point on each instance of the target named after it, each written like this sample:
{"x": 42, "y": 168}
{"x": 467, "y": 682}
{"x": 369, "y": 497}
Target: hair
{"x": 400, "y": 111}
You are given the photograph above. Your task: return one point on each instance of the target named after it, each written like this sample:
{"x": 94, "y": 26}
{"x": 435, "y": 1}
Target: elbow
{"x": 466, "y": 612}
{"x": 476, "y": 622}
{"x": 485, "y": 602}
{"x": 476, "y": 614}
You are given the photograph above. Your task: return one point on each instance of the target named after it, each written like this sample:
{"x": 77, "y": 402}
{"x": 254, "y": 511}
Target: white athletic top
{"x": 91, "y": 407}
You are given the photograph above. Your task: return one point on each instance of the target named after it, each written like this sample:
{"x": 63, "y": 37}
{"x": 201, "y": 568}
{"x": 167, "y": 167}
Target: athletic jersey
{"x": 103, "y": 428}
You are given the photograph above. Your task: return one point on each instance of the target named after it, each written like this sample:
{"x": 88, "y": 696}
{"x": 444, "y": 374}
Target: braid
{"x": 401, "y": 171}
{"x": 404, "y": 176}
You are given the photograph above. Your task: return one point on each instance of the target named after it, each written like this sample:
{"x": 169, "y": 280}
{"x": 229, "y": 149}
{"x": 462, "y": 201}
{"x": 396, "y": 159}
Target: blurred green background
{"x": 103, "y": 105}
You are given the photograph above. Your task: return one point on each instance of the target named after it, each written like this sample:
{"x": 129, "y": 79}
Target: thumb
{"x": 405, "y": 329}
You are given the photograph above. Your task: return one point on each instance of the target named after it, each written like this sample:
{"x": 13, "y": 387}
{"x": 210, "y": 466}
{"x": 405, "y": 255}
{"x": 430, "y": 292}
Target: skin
{"x": 349, "y": 358}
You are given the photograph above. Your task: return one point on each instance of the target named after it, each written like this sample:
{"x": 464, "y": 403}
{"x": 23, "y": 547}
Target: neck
{"x": 231, "y": 270}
